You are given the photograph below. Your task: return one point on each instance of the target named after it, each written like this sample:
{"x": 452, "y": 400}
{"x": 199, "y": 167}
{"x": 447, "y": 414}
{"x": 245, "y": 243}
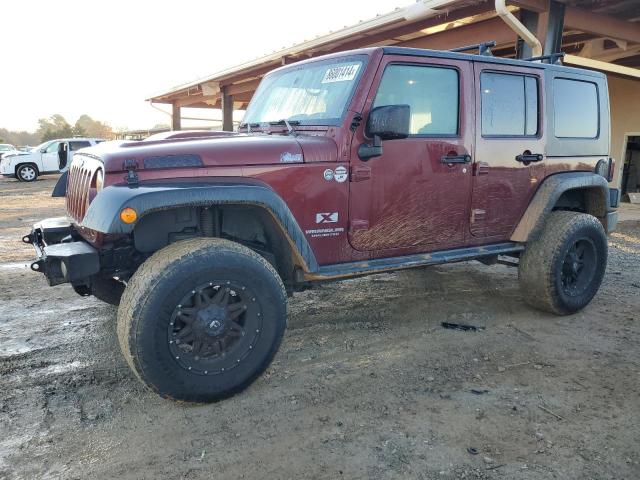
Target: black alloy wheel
{"x": 214, "y": 327}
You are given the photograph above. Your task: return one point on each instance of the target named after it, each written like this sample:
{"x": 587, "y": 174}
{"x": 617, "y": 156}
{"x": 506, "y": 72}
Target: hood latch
{"x": 131, "y": 165}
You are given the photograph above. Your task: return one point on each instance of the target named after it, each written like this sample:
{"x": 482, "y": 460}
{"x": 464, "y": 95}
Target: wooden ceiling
{"x": 605, "y": 30}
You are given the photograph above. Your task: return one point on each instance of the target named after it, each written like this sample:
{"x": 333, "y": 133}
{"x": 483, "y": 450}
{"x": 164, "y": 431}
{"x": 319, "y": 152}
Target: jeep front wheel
{"x": 201, "y": 319}
{"x": 26, "y": 173}
{"x": 561, "y": 271}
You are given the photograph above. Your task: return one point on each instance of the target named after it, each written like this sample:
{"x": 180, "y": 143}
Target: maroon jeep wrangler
{"x": 350, "y": 164}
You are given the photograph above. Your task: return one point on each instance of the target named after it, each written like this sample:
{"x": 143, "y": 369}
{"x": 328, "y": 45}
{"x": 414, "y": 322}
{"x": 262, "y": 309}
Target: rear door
{"x": 510, "y": 141}
{"x": 410, "y": 198}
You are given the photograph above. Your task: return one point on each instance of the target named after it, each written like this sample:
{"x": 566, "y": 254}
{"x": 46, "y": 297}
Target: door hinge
{"x": 477, "y": 214}
{"x": 131, "y": 165}
{"x": 481, "y": 168}
{"x": 360, "y": 173}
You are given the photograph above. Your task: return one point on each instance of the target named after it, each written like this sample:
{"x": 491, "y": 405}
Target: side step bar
{"x": 351, "y": 269}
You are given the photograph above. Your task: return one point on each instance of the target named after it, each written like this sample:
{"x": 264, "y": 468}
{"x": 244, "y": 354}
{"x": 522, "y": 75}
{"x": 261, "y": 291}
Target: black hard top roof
{"x": 423, "y": 52}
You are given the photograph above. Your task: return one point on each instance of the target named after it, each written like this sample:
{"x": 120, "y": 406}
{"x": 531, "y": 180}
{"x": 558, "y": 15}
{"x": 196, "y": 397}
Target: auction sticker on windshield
{"x": 342, "y": 73}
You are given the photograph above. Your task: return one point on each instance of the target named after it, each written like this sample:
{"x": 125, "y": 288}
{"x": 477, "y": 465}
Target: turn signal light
{"x": 128, "y": 215}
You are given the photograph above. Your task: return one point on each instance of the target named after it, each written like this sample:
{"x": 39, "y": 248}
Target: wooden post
{"x": 227, "y": 111}
{"x": 530, "y": 20}
{"x": 553, "y": 38}
{"x": 175, "y": 118}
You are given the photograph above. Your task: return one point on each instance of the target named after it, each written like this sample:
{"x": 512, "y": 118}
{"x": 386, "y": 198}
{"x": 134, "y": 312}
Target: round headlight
{"x": 602, "y": 168}
{"x": 99, "y": 180}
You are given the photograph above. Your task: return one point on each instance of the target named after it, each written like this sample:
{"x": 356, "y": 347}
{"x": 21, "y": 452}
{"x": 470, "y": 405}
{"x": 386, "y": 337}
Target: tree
{"x": 18, "y": 138}
{"x": 54, "y": 127}
{"x": 93, "y": 128}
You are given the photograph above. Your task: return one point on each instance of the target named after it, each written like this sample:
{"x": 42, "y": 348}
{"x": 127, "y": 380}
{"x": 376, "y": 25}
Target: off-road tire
{"x": 543, "y": 264}
{"x": 27, "y": 172}
{"x": 155, "y": 291}
{"x": 107, "y": 290}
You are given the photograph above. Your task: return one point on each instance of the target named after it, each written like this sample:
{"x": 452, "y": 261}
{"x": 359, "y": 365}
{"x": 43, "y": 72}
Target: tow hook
{"x": 37, "y": 266}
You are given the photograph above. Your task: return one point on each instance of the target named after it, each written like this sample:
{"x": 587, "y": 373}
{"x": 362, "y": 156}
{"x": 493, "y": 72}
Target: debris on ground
{"x": 462, "y": 327}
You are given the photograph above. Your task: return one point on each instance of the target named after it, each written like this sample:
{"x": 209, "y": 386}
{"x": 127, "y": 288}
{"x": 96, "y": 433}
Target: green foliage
{"x": 18, "y": 138}
{"x": 93, "y": 128}
{"x": 57, "y": 126}
{"x": 54, "y": 127}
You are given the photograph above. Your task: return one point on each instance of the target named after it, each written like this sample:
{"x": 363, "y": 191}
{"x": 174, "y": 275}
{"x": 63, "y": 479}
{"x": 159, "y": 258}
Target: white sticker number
{"x": 342, "y": 73}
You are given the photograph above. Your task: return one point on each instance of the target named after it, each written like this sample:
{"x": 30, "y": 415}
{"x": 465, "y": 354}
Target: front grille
{"x": 81, "y": 174}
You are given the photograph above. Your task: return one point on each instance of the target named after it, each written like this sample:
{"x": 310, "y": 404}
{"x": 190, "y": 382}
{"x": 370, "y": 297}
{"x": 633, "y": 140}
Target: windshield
{"x": 315, "y": 93}
{"x": 5, "y": 148}
{"x": 41, "y": 146}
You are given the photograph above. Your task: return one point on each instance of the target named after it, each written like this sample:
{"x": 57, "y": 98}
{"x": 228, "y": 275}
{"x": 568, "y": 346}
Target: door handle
{"x": 529, "y": 157}
{"x": 448, "y": 159}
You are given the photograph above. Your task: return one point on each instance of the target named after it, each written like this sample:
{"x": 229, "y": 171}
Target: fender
{"x": 60, "y": 190}
{"x": 103, "y": 214}
{"x": 532, "y": 222}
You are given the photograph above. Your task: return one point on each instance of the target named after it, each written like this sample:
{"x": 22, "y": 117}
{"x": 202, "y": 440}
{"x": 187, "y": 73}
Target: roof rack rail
{"x": 483, "y": 48}
{"x": 554, "y": 58}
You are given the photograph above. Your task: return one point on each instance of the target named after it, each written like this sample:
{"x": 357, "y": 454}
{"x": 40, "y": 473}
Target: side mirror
{"x": 387, "y": 122}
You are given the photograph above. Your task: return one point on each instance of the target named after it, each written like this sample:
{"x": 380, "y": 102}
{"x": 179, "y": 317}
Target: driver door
{"x": 415, "y": 197}
{"x": 49, "y": 158}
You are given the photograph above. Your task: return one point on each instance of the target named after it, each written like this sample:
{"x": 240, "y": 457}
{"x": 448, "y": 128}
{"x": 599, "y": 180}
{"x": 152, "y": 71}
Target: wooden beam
{"x": 602, "y": 25}
{"x": 192, "y": 99}
{"x": 494, "y": 29}
{"x": 398, "y": 31}
{"x": 227, "y": 111}
{"x": 602, "y": 66}
{"x": 537, "y": 6}
{"x": 175, "y": 118}
{"x": 244, "y": 87}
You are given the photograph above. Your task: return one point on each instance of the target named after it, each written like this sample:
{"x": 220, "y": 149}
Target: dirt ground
{"x": 367, "y": 384}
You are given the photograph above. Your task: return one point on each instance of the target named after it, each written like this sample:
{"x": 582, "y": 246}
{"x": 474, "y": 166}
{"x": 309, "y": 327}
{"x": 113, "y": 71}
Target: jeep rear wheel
{"x": 201, "y": 319}
{"x": 26, "y": 173}
{"x": 561, "y": 271}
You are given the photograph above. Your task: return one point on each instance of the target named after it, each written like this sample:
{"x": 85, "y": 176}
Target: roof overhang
{"x": 593, "y": 37}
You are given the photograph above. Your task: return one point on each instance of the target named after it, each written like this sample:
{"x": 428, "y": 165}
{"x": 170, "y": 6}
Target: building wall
{"x": 624, "y": 98}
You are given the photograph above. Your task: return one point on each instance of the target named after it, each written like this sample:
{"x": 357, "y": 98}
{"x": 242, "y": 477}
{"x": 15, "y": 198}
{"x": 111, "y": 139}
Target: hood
{"x": 15, "y": 153}
{"x": 231, "y": 149}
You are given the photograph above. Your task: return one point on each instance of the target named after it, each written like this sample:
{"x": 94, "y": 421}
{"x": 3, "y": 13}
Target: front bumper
{"x": 61, "y": 257}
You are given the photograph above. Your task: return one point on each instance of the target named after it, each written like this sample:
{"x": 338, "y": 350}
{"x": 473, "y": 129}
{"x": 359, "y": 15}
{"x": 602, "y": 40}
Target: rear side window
{"x": 575, "y": 109}
{"x": 430, "y": 92}
{"x": 78, "y": 145}
{"x": 509, "y": 105}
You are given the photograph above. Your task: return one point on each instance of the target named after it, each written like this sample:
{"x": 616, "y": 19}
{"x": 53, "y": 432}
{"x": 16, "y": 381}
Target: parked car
{"x": 52, "y": 156}
{"x": 349, "y": 164}
{"x": 6, "y": 149}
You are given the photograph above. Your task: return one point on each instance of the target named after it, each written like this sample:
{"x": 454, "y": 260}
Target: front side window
{"x": 431, "y": 93}
{"x": 315, "y": 93}
{"x": 575, "y": 108}
{"x": 52, "y": 147}
{"x": 509, "y": 105}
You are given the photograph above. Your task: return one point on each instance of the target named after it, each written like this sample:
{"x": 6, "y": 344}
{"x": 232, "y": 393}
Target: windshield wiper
{"x": 287, "y": 123}
{"x": 249, "y": 126}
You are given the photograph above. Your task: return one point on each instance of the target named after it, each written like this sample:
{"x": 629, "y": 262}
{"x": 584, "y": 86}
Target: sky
{"x": 104, "y": 58}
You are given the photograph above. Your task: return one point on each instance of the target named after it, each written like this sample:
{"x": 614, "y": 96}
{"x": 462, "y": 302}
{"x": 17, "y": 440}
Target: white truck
{"x": 52, "y": 156}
